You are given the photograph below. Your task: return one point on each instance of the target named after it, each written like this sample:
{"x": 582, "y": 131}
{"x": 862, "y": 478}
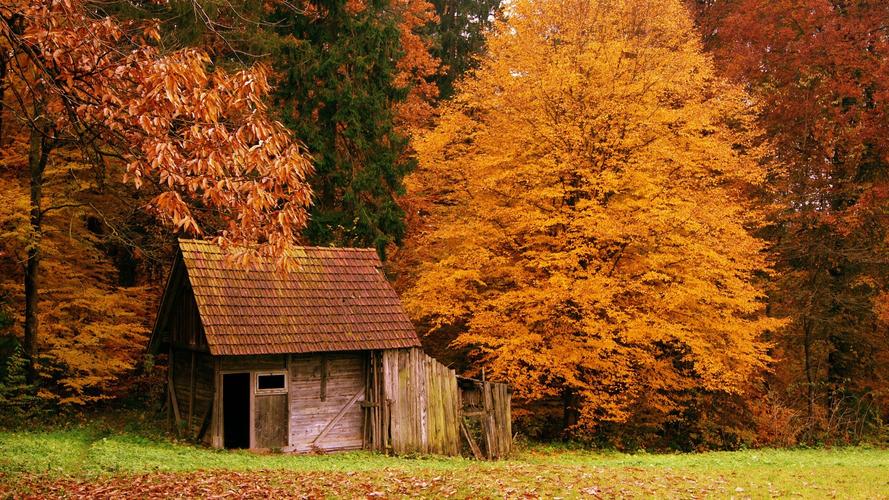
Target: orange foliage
{"x": 587, "y": 229}
{"x": 199, "y": 137}
{"x": 94, "y": 330}
{"x": 416, "y": 66}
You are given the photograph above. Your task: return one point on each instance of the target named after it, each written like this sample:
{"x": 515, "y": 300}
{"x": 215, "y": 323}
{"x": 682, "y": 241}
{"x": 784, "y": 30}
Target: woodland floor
{"x": 88, "y": 461}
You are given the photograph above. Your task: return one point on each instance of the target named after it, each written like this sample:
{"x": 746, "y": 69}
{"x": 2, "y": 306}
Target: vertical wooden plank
{"x": 289, "y": 423}
{"x": 440, "y": 396}
{"x": 380, "y": 402}
{"x": 174, "y": 400}
{"x": 216, "y": 426}
{"x": 505, "y": 438}
{"x": 252, "y": 410}
{"x": 412, "y": 394}
{"x": 452, "y": 427}
{"x": 506, "y": 424}
{"x": 324, "y": 369}
{"x": 443, "y": 410}
{"x": 395, "y": 406}
{"x": 406, "y": 418}
{"x": 394, "y": 396}
{"x": 508, "y": 412}
{"x": 429, "y": 407}
{"x": 367, "y": 411}
{"x": 420, "y": 362}
{"x": 488, "y": 422}
{"x": 456, "y": 409}
{"x": 495, "y": 444}
{"x": 374, "y": 396}
{"x": 498, "y": 413}
{"x": 417, "y": 389}
{"x": 439, "y": 407}
{"x": 191, "y": 395}
{"x": 387, "y": 400}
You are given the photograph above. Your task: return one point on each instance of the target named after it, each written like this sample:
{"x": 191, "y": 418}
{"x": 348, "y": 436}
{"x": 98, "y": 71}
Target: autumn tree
{"x": 417, "y": 69}
{"x": 588, "y": 230}
{"x": 93, "y": 322}
{"x": 821, "y": 67}
{"x": 197, "y": 138}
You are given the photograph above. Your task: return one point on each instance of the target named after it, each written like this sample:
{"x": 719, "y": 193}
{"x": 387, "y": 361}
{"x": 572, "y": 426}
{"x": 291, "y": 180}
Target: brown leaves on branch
{"x": 200, "y": 136}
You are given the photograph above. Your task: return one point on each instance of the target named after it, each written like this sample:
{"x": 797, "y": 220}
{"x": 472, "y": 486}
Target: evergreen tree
{"x": 336, "y": 92}
{"x": 17, "y": 397}
{"x": 460, "y": 35}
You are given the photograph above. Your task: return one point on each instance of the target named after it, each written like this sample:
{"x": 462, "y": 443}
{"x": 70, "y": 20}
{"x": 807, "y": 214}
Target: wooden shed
{"x": 318, "y": 359}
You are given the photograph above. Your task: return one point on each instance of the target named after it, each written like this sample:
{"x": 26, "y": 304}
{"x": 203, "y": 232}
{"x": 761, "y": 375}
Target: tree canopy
{"x": 590, "y": 217}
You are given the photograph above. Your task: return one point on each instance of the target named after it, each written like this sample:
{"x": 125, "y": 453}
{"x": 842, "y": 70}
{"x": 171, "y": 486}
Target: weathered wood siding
{"x": 270, "y": 421}
{"x": 421, "y": 404}
{"x": 184, "y": 324}
{"x": 326, "y": 391}
{"x": 193, "y": 384}
{"x": 252, "y": 363}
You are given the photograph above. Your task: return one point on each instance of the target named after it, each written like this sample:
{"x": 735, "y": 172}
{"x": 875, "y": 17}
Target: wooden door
{"x": 270, "y": 422}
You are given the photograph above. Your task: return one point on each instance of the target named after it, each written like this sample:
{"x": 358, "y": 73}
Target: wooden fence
{"x": 414, "y": 404}
{"x": 486, "y": 420}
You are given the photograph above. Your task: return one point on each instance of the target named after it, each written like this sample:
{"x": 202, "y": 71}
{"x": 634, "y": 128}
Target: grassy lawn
{"x": 88, "y": 462}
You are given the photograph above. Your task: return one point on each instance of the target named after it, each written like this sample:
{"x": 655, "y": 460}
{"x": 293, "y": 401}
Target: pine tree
{"x": 460, "y": 37}
{"x": 17, "y": 398}
{"x": 336, "y": 91}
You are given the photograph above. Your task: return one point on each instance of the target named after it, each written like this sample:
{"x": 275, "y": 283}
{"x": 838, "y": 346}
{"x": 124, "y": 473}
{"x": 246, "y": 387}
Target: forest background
{"x": 663, "y": 223}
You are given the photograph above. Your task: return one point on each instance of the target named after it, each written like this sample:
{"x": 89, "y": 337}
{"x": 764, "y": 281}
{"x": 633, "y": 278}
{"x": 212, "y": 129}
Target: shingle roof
{"x": 337, "y": 300}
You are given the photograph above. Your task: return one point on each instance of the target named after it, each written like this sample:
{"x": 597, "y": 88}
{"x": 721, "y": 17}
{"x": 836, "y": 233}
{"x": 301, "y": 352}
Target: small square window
{"x": 271, "y": 383}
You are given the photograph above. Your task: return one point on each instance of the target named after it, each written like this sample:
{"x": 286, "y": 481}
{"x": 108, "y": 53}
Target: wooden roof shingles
{"x": 337, "y": 300}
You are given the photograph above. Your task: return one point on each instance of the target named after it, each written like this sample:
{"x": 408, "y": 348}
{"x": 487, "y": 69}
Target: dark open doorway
{"x": 236, "y": 410}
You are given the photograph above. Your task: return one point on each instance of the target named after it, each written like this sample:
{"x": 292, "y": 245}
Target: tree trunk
{"x": 38, "y": 154}
{"x": 810, "y": 378}
{"x": 570, "y": 412}
{"x": 3, "y": 69}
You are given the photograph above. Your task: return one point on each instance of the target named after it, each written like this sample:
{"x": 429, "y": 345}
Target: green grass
{"x": 49, "y": 462}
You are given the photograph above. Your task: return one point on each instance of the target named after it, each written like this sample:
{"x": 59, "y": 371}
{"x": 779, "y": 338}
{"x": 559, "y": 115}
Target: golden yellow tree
{"x": 93, "y": 329}
{"x": 587, "y": 229}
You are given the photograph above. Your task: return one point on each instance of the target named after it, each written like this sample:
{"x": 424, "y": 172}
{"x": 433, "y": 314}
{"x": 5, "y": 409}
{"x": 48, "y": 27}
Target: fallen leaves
{"x": 503, "y": 480}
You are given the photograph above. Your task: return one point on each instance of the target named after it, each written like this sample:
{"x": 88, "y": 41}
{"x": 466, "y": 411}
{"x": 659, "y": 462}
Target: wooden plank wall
{"x": 422, "y": 401}
{"x": 193, "y": 385}
{"x": 185, "y": 326}
{"x": 318, "y": 396}
{"x": 252, "y": 363}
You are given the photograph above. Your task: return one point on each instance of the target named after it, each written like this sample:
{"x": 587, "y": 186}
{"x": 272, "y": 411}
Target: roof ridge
{"x": 295, "y": 247}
